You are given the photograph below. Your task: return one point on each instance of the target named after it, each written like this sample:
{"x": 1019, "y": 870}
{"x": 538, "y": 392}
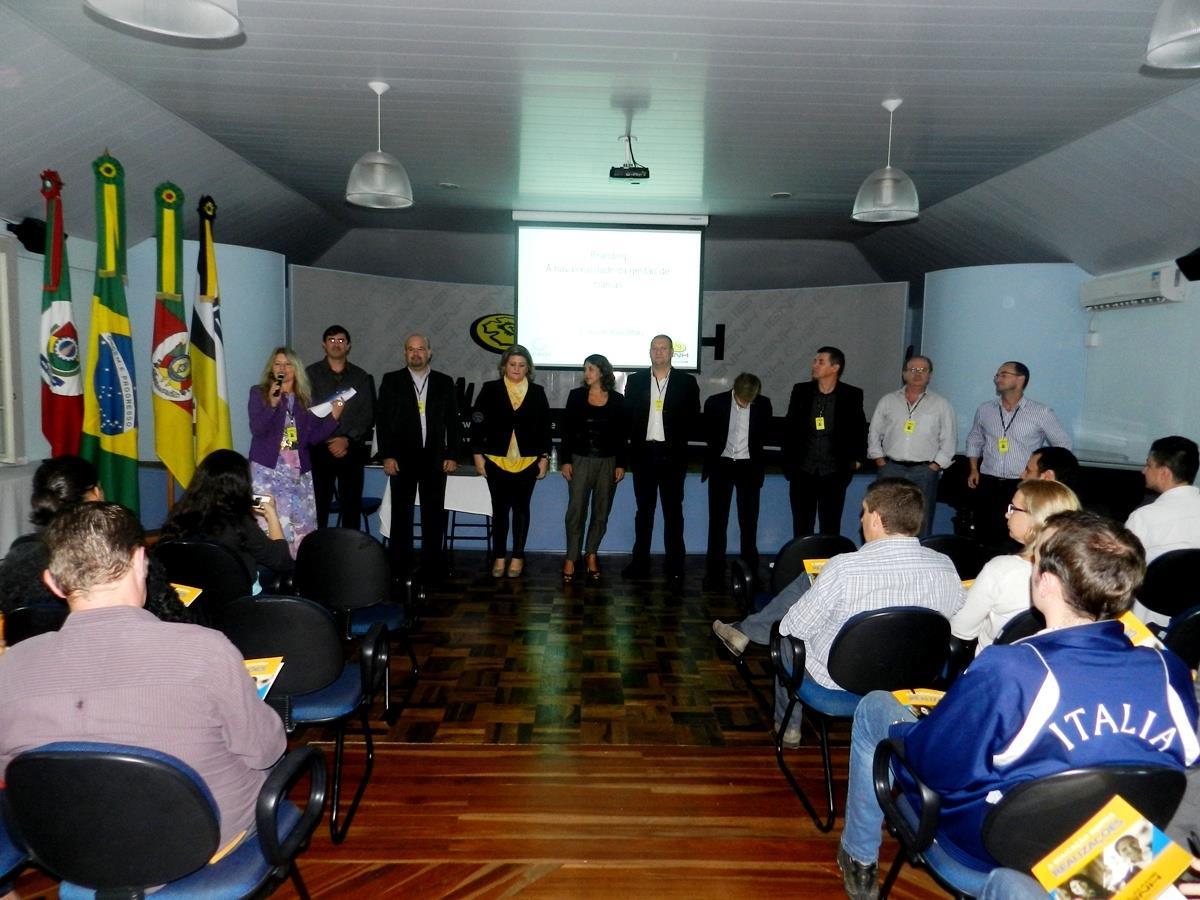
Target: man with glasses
{"x": 340, "y": 459}
{"x": 1004, "y": 434}
{"x": 913, "y": 434}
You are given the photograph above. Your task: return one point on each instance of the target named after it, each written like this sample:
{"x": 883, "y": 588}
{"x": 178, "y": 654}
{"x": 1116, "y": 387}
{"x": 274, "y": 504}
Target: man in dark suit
{"x": 824, "y": 443}
{"x": 735, "y": 425}
{"x": 662, "y": 404}
{"x": 419, "y": 436}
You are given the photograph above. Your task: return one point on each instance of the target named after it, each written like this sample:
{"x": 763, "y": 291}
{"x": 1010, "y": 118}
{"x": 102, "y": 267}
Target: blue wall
{"x": 976, "y": 318}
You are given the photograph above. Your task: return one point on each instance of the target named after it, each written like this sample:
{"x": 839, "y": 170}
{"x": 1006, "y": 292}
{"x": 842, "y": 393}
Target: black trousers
{"x": 347, "y": 473}
{"x": 991, "y": 503}
{"x": 724, "y": 478}
{"x": 817, "y": 495}
{"x": 425, "y": 472}
{"x": 511, "y": 492}
{"x": 659, "y": 475}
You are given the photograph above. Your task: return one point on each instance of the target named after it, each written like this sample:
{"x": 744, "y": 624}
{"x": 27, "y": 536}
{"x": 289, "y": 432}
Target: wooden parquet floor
{"x": 577, "y": 741}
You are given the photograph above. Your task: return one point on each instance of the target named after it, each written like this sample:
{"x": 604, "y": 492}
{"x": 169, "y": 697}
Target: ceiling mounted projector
{"x": 630, "y": 171}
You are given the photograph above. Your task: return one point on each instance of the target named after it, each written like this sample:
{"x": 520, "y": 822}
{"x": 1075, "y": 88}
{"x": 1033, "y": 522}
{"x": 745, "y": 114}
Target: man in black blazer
{"x": 419, "y": 435}
{"x": 662, "y": 405}
{"x": 825, "y": 441}
{"x": 735, "y": 426}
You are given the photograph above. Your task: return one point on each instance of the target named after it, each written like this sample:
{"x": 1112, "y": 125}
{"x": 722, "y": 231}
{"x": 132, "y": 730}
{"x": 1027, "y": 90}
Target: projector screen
{"x": 593, "y": 289}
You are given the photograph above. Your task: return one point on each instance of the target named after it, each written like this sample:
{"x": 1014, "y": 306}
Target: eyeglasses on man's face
{"x": 916, "y": 370}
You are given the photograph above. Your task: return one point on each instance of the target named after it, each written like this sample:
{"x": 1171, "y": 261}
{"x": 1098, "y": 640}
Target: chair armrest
{"x": 374, "y": 658}
{"x": 888, "y": 752}
{"x": 283, "y": 706}
{"x": 788, "y": 656}
{"x": 284, "y": 775}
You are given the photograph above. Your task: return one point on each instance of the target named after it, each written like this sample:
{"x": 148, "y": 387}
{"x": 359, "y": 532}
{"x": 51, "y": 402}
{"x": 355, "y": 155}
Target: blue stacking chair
{"x": 878, "y": 650}
{"x": 316, "y": 686}
{"x": 1029, "y": 821}
{"x": 115, "y": 820}
{"x": 789, "y": 562}
{"x": 348, "y": 572}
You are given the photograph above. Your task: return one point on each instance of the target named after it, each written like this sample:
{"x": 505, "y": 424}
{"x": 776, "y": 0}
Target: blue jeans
{"x": 875, "y": 715}
{"x": 1009, "y": 884}
{"x": 924, "y": 478}
{"x": 757, "y": 626}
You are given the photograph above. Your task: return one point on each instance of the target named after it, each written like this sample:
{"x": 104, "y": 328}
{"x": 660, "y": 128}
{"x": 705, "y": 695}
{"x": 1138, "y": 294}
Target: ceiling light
{"x": 887, "y": 194}
{"x": 781, "y": 195}
{"x": 449, "y": 185}
{"x": 378, "y": 181}
{"x": 203, "y": 20}
{"x": 1175, "y": 36}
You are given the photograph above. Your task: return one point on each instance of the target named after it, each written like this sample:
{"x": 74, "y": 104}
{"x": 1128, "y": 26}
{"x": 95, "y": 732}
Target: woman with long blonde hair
{"x": 282, "y": 428}
{"x": 1002, "y": 588}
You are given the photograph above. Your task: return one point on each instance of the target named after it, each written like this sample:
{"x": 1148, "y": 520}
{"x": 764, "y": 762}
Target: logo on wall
{"x": 495, "y": 332}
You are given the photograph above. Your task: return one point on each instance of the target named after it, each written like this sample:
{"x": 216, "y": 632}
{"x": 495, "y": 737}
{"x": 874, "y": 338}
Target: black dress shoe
{"x": 636, "y": 570}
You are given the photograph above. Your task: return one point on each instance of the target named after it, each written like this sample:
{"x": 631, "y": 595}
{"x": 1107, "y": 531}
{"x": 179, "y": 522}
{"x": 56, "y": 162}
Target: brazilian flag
{"x": 110, "y": 435}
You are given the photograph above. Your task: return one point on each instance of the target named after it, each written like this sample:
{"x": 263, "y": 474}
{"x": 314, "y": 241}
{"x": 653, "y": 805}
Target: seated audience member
{"x": 1076, "y": 694}
{"x": 1172, "y": 521}
{"x": 59, "y": 485}
{"x": 220, "y": 507}
{"x": 1053, "y": 464}
{"x": 1002, "y": 588}
{"x": 114, "y": 673}
{"x": 891, "y": 569}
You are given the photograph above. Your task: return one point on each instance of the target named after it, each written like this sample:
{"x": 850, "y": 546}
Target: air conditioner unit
{"x": 1136, "y": 287}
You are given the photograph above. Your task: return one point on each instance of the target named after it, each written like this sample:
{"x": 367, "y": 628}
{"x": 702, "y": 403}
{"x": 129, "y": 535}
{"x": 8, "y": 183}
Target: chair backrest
{"x": 1172, "y": 583}
{"x": 789, "y": 563}
{"x": 299, "y": 630}
{"x": 741, "y": 587}
{"x": 218, "y": 571}
{"x": 342, "y": 568}
{"x": 889, "y": 649}
{"x": 1183, "y": 637}
{"x": 1024, "y": 624}
{"x": 967, "y": 554}
{"x": 109, "y": 816}
{"x": 1037, "y": 816}
{"x": 36, "y": 618}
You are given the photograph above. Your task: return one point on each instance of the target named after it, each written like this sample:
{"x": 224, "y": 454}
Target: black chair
{"x": 878, "y": 650}
{"x": 789, "y": 563}
{"x": 116, "y": 820}
{"x": 33, "y": 619}
{"x": 1183, "y": 637}
{"x": 1172, "y": 584}
{"x": 315, "y": 686}
{"x": 348, "y": 572}
{"x": 967, "y": 554}
{"x": 219, "y": 572}
{"x": 370, "y": 506}
{"x": 1031, "y": 820}
{"x": 1024, "y": 624}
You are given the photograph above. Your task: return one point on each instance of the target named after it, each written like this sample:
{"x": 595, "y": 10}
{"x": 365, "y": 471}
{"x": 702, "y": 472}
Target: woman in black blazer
{"x": 510, "y": 437}
{"x": 595, "y": 437}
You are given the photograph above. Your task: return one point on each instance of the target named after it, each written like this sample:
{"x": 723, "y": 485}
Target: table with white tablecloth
{"x": 465, "y": 493}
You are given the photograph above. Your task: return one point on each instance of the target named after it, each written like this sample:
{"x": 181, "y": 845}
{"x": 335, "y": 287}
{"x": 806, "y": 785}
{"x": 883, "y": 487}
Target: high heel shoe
{"x": 568, "y": 572}
{"x": 515, "y": 568}
{"x": 498, "y": 568}
{"x": 593, "y": 567}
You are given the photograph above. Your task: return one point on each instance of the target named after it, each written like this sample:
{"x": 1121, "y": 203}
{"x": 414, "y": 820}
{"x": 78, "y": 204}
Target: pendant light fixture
{"x": 1175, "y": 36}
{"x": 201, "y": 20}
{"x": 887, "y": 194}
{"x": 378, "y": 180}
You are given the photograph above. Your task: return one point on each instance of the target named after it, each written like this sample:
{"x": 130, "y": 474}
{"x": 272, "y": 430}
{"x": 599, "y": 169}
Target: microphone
{"x": 278, "y": 385}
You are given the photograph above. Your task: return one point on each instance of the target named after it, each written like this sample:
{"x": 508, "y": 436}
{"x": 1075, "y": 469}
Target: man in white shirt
{"x": 1172, "y": 521}
{"x": 735, "y": 426}
{"x": 913, "y": 434}
{"x": 891, "y": 569}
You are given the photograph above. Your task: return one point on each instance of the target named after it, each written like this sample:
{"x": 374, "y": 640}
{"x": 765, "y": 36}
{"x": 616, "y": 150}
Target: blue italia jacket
{"x": 1079, "y": 696}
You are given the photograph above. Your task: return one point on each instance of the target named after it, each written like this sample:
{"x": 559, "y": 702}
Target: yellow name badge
{"x": 658, "y": 404}
{"x": 1002, "y": 445}
{"x": 820, "y": 422}
{"x": 909, "y": 426}
{"x": 421, "y": 407}
{"x": 290, "y": 436}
